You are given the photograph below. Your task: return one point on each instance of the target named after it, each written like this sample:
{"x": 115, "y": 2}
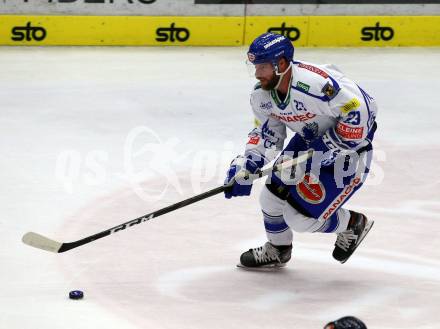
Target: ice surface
{"x": 93, "y": 137}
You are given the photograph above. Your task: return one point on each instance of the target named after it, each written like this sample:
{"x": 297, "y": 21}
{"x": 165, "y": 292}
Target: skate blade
{"x": 264, "y": 268}
{"x": 361, "y": 238}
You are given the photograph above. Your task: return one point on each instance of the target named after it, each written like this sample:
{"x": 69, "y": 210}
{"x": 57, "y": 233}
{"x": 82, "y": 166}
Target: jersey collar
{"x": 274, "y": 95}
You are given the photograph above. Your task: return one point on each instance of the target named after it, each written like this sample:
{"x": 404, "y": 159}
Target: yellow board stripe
{"x": 349, "y": 31}
{"x": 123, "y": 30}
{"x": 313, "y": 31}
{"x": 294, "y": 27}
{"x": 374, "y": 31}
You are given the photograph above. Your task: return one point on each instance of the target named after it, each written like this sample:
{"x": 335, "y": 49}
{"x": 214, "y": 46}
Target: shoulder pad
{"x": 316, "y": 83}
{"x": 313, "y": 69}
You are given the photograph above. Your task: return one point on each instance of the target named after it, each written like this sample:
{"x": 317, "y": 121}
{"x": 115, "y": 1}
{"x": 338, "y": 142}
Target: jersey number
{"x": 353, "y": 118}
{"x": 299, "y": 106}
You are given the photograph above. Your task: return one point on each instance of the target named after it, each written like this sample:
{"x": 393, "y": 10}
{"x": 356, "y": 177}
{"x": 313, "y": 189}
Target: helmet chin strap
{"x": 281, "y": 75}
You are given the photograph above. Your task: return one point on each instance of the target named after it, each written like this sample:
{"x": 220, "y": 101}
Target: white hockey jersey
{"x": 321, "y": 102}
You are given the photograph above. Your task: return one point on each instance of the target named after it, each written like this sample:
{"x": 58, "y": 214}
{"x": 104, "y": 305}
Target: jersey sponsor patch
{"x": 311, "y": 190}
{"x": 266, "y": 106}
{"x": 303, "y": 86}
{"x": 294, "y": 118}
{"x": 254, "y": 140}
{"x": 350, "y": 105}
{"x": 266, "y": 131}
{"x": 313, "y": 69}
{"x": 329, "y": 91}
{"x": 349, "y": 132}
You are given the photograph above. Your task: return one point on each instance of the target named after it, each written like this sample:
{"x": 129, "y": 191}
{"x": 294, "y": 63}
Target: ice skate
{"x": 350, "y": 239}
{"x": 266, "y": 257}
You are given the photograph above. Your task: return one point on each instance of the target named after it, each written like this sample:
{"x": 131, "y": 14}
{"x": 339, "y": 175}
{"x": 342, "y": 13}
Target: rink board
{"x": 313, "y": 31}
{"x": 121, "y": 30}
{"x": 349, "y": 31}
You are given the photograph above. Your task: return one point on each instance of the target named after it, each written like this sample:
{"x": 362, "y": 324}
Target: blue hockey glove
{"x": 236, "y": 184}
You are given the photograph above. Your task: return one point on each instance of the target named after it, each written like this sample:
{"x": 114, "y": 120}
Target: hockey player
{"x": 330, "y": 115}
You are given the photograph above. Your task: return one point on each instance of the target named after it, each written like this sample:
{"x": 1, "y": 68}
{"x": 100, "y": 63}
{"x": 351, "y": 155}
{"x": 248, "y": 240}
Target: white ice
{"x": 93, "y": 137}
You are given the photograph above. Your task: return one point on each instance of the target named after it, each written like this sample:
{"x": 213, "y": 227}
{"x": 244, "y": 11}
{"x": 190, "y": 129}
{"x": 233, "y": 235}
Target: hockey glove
{"x": 236, "y": 182}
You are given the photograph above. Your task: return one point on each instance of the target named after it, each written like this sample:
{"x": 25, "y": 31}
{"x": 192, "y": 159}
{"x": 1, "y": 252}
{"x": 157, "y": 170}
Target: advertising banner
{"x": 121, "y": 30}
{"x": 349, "y": 31}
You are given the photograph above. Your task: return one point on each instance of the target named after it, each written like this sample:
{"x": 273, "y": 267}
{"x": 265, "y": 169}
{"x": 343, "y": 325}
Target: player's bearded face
{"x": 265, "y": 73}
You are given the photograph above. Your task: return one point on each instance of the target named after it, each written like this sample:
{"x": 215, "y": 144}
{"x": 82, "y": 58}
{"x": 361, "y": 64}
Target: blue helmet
{"x": 270, "y": 48}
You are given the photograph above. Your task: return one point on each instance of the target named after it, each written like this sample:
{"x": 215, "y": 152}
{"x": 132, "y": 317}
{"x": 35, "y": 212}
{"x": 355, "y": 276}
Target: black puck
{"x": 76, "y": 294}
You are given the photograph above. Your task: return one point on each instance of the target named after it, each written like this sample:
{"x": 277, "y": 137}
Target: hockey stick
{"x": 41, "y": 242}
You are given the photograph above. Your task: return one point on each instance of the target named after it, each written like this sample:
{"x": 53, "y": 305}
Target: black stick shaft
{"x": 70, "y": 245}
{"x": 186, "y": 202}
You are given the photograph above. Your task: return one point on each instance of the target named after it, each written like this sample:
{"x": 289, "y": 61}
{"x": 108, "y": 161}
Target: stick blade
{"x": 41, "y": 242}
